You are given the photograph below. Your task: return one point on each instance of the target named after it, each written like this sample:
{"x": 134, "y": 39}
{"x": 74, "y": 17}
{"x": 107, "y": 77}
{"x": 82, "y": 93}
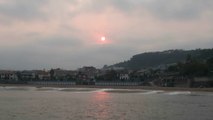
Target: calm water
{"x": 28, "y": 103}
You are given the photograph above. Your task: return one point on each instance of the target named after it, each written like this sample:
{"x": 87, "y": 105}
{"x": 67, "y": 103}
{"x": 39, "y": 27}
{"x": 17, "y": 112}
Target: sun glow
{"x": 103, "y": 38}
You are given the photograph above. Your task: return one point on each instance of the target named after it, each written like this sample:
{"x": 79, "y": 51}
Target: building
{"x": 89, "y": 71}
{"x": 8, "y": 75}
{"x": 59, "y": 74}
{"x": 202, "y": 82}
{"x": 42, "y": 75}
{"x": 124, "y": 76}
{"x": 28, "y": 75}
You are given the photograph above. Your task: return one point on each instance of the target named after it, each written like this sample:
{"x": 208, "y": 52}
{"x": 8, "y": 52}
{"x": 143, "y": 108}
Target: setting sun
{"x": 103, "y": 38}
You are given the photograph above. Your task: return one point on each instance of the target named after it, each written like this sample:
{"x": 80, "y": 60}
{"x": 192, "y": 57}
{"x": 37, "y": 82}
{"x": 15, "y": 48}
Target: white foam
{"x": 179, "y": 93}
{"x": 103, "y": 90}
{"x": 152, "y": 92}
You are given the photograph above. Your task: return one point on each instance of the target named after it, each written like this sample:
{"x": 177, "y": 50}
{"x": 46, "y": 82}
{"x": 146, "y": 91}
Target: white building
{"x": 124, "y": 76}
{"x": 8, "y": 75}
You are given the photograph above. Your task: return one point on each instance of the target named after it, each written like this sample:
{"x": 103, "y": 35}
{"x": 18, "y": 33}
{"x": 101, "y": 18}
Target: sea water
{"x": 30, "y": 103}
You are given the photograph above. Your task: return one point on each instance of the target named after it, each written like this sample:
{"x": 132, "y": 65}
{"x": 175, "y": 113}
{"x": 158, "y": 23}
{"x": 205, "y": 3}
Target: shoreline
{"x": 113, "y": 87}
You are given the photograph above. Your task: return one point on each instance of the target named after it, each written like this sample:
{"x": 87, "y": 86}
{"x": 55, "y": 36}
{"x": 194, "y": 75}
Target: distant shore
{"x": 112, "y": 87}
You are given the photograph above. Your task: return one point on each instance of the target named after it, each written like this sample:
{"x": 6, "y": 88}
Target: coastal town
{"x": 171, "y": 68}
{"x": 107, "y": 76}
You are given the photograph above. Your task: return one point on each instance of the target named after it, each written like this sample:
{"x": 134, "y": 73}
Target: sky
{"x": 67, "y": 34}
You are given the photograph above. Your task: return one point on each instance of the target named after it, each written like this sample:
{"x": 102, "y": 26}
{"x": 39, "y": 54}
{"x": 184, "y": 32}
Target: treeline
{"x": 193, "y": 67}
{"x": 155, "y": 59}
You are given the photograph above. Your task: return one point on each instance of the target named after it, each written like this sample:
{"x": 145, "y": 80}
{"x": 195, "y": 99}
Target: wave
{"x": 17, "y": 88}
{"x": 149, "y": 92}
{"x": 77, "y": 90}
{"x": 179, "y": 93}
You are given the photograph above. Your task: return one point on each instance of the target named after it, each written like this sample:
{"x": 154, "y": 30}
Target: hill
{"x": 155, "y": 59}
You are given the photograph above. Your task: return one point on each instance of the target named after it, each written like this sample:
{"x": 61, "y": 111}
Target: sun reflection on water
{"x": 100, "y": 106}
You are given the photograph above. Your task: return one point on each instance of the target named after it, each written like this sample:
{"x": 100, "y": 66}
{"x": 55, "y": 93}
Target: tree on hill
{"x": 155, "y": 59}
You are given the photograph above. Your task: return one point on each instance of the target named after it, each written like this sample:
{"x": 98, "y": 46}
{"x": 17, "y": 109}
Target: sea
{"x": 46, "y": 103}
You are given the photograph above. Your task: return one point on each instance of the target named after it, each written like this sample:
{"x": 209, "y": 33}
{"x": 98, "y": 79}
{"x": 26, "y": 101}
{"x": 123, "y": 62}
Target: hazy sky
{"x": 37, "y": 34}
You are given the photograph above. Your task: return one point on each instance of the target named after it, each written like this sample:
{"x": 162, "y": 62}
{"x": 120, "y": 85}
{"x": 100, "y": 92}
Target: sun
{"x": 103, "y": 38}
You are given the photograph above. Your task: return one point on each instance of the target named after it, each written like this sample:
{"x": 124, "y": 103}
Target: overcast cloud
{"x": 37, "y": 34}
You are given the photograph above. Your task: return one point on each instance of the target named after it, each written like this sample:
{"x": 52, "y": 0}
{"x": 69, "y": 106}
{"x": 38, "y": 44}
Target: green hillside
{"x": 154, "y": 59}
